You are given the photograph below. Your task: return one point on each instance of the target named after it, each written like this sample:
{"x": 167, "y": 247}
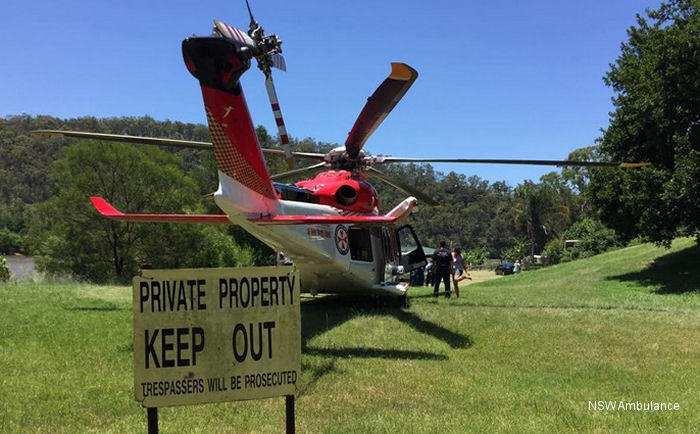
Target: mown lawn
{"x": 522, "y": 353}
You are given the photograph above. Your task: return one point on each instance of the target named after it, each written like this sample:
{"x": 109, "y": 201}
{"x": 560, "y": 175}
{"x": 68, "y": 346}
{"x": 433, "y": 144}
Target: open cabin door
{"x": 411, "y": 252}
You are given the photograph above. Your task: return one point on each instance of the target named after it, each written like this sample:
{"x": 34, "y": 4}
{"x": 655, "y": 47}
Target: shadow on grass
{"x": 454, "y": 340}
{"x": 374, "y": 353}
{"x": 316, "y": 372}
{"x": 323, "y": 314}
{"x": 105, "y": 308}
{"x": 440, "y": 295}
{"x": 673, "y": 273}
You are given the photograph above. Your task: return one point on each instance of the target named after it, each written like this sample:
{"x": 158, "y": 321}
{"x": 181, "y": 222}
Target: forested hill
{"x": 496, "y": 219}
{"x": 25, "y": 160}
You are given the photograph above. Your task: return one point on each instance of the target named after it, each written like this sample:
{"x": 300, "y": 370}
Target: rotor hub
{"x": 338, "y": 159}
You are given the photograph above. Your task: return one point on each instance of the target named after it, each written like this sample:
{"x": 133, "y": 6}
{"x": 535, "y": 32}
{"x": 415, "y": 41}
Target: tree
{"x": 26, "y": 161}
{"x": 593, "y": 238}
{"x": 541, "y": 213}
{"x": 657, "y": 120}
{"x": 72, "y": 238}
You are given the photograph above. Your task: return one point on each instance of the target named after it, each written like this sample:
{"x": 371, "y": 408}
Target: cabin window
{"x": 360, "y": 244}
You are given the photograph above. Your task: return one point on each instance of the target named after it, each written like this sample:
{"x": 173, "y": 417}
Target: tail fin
{"x": 236, "y": 146}
{"x": 244, "y": 182}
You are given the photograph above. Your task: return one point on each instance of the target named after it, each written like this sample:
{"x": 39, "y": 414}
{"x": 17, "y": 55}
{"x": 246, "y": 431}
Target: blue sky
{"x": 498, "y": 79}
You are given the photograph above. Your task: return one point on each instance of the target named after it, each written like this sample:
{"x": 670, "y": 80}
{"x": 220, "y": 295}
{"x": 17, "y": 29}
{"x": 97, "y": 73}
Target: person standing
{"x": 442, "y": 268}
{"x": 420, "y": 276}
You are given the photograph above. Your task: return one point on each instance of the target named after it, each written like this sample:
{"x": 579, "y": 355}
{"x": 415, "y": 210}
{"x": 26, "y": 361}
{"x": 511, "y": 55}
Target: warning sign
{"x": 220, "y": 334}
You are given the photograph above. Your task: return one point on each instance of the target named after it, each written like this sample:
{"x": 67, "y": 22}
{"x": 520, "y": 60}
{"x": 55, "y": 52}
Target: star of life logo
{"x": 342, "y": 243}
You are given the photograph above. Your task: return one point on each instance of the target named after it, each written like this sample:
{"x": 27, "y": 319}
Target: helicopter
{"x": 328, "y": 225}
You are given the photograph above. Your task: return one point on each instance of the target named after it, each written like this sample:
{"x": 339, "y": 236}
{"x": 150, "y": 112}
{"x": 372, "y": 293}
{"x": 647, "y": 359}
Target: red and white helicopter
{"x": 328, "y": 226}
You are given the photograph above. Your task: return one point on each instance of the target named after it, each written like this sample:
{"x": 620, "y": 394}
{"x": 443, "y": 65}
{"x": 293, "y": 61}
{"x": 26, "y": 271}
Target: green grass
{"x": 522, "y": 353}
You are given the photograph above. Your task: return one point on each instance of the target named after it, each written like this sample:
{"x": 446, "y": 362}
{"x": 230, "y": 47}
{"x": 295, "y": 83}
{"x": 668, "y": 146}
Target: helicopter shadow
{"x": 323, "y": 314}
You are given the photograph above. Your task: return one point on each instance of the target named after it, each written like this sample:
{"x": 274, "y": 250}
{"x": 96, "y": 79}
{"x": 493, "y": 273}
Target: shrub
{"x": 553, "y": 252}
{"x": 10, "y": 242}
{"x": 518, "y": 251}
{"x": 476, "y": 256}
{"x": 4, "y": 270}
{"x": 593, "y": 236}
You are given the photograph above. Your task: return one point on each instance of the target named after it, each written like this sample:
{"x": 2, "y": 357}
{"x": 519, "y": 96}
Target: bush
{"x": 476, "y": 256}
{"x": 4, "y": 270}
{"x": 553, "y": 252}
{"x": 593, "y": 236}
{"x": 10, "y": 242}
{"x": 518, "y": 251}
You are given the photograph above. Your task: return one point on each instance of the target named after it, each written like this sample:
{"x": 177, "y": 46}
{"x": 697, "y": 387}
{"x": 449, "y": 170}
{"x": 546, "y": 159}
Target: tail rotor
{"x": 267, "y": 51}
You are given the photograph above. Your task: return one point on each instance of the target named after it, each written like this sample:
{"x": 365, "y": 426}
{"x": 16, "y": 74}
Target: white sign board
{"x": 216, "y": 334}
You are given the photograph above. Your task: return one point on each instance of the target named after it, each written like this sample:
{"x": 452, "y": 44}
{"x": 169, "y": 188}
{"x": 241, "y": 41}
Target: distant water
{"x": 21, "y": 267}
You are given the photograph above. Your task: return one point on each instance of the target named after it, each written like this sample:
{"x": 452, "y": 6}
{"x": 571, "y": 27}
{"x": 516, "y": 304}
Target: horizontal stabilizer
{"x": 107, "y": 210}
{"x": 396, "y": 215}
{"x": 323, "y": 220}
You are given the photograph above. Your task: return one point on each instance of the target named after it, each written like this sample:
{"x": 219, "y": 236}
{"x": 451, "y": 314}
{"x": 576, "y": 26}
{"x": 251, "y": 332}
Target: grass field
{"x": 523, "y": 353}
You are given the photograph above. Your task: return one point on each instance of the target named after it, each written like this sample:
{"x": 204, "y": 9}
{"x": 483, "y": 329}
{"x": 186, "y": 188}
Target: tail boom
{"x": 244, "y": 182}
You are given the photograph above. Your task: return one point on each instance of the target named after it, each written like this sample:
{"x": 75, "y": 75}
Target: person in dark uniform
{"x": 442, "y": 268}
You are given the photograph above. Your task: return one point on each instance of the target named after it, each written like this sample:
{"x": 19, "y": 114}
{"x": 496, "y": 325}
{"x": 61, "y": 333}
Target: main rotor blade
{"x": 403, "y": 187}
{"x": 139, "y": 140}
{"x": 126, "y": 139}
{"x": 379, "y": 105}
{"x": 310, "y": 155}
{"x": 568, "y": 163}
{"x": 292, "y": 173}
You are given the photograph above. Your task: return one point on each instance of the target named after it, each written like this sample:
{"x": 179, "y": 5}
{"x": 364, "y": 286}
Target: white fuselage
{"x": 322, "y": 252}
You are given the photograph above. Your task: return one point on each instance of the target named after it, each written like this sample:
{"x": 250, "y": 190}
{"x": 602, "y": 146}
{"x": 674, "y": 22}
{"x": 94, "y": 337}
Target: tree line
{"x": 48, "y": 182}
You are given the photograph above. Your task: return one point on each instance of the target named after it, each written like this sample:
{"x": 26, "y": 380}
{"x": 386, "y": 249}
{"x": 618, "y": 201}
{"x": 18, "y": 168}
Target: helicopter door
{"x": 361, "y": 256}
{"x": 412, "y": 255}
{"x": 390, "y": 252}
{"x": 360, "y": 244}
